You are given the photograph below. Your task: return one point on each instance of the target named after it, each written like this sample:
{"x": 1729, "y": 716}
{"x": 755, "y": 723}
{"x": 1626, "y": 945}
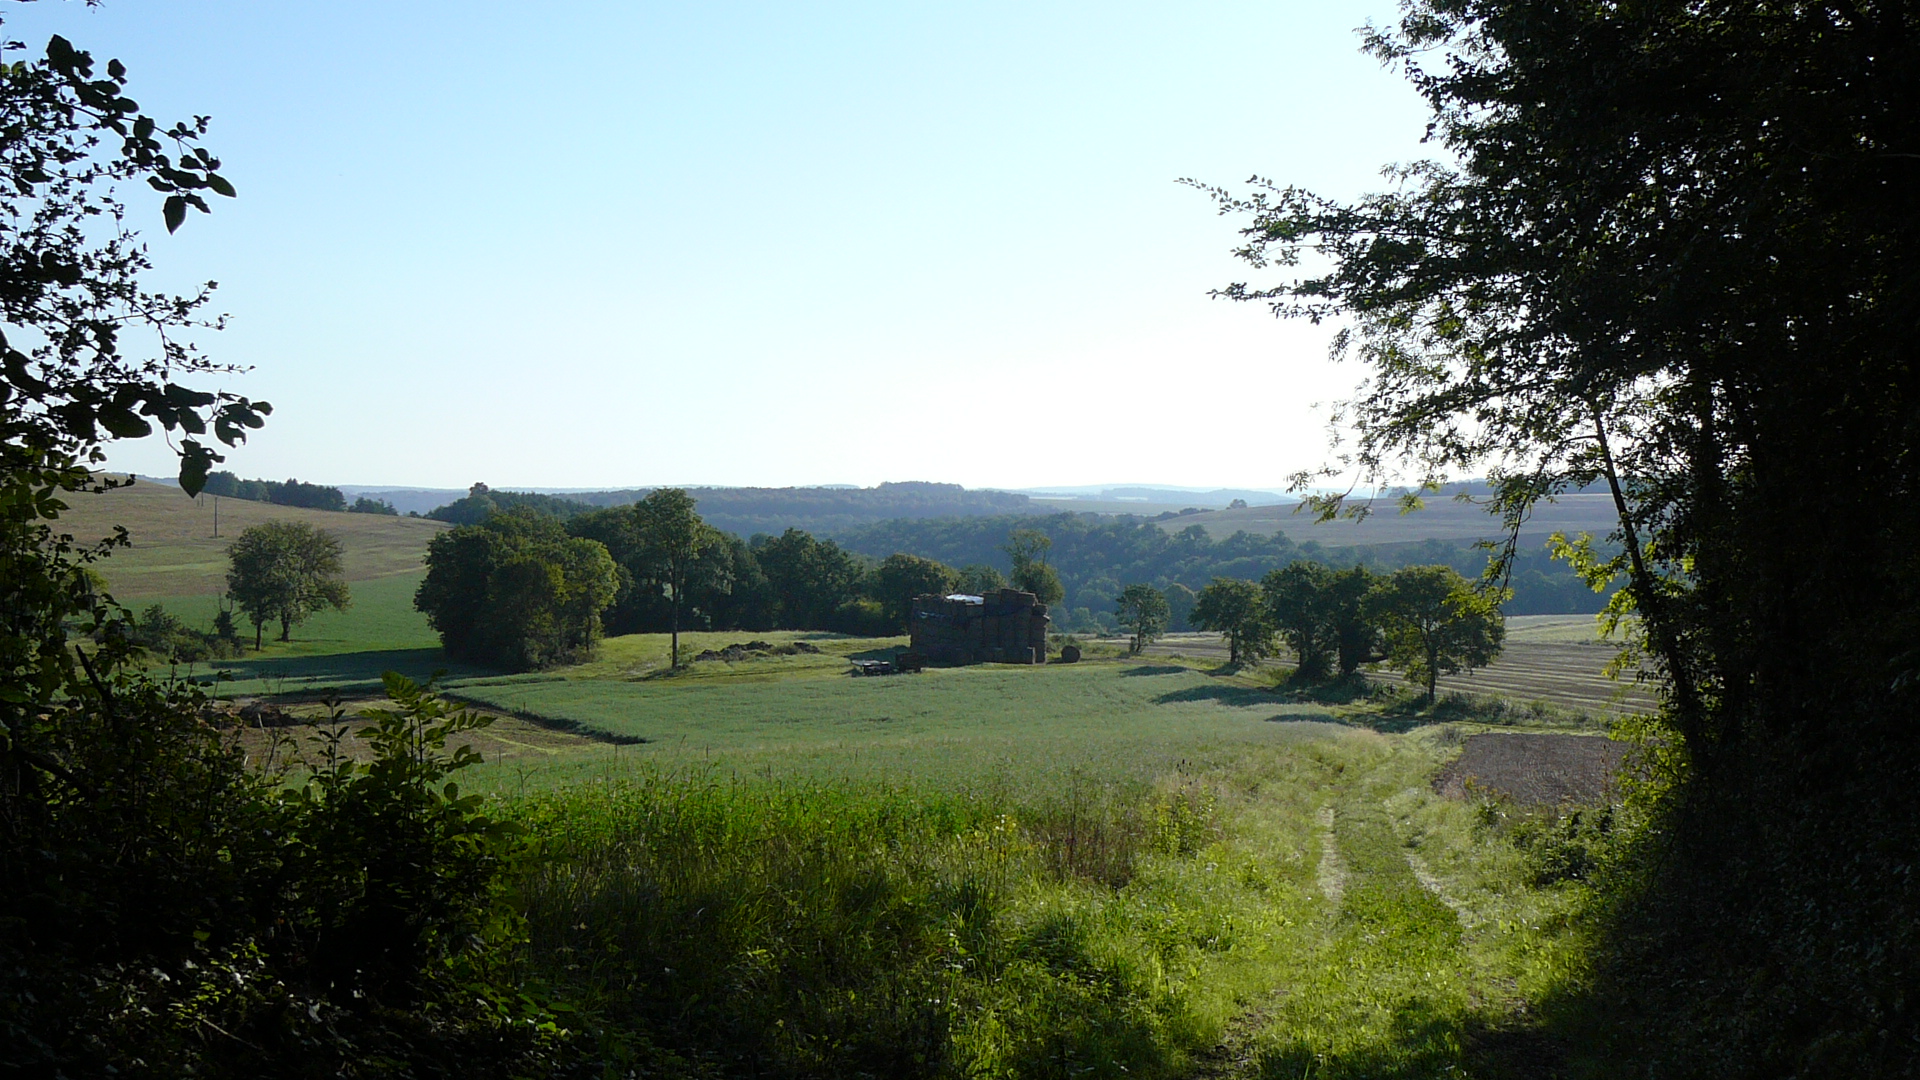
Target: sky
{"x": 626, "y": 244}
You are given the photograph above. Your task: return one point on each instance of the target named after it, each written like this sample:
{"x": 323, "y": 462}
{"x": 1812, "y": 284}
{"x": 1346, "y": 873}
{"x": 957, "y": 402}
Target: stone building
{"x": 1003, "y": 627}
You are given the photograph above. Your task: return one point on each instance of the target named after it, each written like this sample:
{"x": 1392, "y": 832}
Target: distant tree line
{"x": 521, "y": 588}
{"x": 1092, "y": 555}
{"x": 798, "y": 581}
{"x": 278, "y": 492}
{"x": 482, "y": 502}
{"x": 751, "y": 511}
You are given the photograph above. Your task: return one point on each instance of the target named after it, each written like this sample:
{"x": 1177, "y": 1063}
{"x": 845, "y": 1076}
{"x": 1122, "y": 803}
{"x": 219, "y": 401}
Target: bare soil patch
{"x": 273, "y": 734}
{"x": 1534, "y": 769}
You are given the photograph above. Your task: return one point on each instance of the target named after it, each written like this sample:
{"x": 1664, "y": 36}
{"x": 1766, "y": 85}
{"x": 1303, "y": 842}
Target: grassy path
{"x": 1410, "y": 971}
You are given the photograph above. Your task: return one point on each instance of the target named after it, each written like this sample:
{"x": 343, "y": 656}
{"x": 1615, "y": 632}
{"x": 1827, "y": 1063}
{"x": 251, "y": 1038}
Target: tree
{"x": 1180, "y": 600}
{"x": 1028, "y": 549}
{"x": 810, "y": 579}
{"x": 1436, "y": 624}
{"x": 1236, "y": 609}
{"x": 979, "y": 579}
{"x": 901, "y": 577}
{"x": 1356, "y": 634}
{"x": 285, "y": 571}
{"x": 672, "y": 539}
{"x": 1299, "y": 605}
{"x": 365, "y": 505}
{"x": 516, "y": 592}
{"x": 1143, "y": 610}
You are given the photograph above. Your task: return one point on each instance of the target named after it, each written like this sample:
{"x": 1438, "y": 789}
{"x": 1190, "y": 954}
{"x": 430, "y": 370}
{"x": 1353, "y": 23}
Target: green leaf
{"x": 195, "y": 463}
{"x": 123, "y": 424}
{"x": 175, "y": 211}
{"x": 219, "y": 185}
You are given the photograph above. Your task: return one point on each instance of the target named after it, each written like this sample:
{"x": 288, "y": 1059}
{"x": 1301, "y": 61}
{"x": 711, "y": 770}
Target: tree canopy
{"x": 1144, "y": 612}
{"x": 902, "y": 577}
{"x": 285, "y": 571}
{"x": 516, "y": 592}
{"x": 1436, "y": 623}
{"x": 1236, "y": 609}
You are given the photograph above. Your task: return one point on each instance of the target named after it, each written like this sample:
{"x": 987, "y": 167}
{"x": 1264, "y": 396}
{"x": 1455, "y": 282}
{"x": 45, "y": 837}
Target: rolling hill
{"x": 1442, "y": 519}
{"x": 175, "y": 553}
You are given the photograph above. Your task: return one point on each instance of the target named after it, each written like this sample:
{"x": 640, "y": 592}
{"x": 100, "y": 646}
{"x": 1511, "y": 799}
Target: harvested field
{"x": 1537, "y": 770}
{"x": 1567, "y": 673}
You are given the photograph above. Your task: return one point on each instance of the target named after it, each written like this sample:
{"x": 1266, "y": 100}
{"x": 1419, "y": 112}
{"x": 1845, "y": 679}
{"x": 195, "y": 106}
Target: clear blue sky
{"x": 733, "y": 243}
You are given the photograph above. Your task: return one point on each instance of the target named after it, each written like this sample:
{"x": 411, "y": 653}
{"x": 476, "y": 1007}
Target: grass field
{"x": 1114, "y": 868}
{"x": 175, "y": 554}
{"x": 1105, "y": 869}
{"x": 954, "y": 728}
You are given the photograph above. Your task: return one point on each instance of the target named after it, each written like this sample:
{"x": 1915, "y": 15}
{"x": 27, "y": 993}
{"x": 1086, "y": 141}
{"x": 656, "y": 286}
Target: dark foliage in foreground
{"x": 1680, "y": 258}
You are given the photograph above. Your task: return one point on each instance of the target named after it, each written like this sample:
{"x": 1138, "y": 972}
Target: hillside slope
{"x": 1442, "y": 518}
{"x": 175, "y": 553}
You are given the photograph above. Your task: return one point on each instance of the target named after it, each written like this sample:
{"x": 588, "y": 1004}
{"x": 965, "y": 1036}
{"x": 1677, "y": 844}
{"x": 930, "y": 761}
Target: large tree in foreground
{"x": 1674, "y": 251}
{"x": 285, "y": 571}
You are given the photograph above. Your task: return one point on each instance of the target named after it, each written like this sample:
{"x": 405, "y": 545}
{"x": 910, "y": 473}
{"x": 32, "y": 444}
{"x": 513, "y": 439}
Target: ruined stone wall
{"x": 1003, "y": 627}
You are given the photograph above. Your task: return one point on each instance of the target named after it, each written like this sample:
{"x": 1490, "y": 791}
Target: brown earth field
{"x": 175, "y": 553}
{"x": 1442, "y": 518}
{"x": 1534, "y": 770}
{"x": 294, "y": 736}
{"x": 1545, "y": 659}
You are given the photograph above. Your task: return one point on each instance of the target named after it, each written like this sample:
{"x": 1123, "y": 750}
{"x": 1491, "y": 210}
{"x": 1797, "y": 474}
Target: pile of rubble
{"x": 733, "y": 654}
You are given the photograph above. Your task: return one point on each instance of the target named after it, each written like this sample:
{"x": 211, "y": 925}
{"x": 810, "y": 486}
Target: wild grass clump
{"x": 769, "y": 929}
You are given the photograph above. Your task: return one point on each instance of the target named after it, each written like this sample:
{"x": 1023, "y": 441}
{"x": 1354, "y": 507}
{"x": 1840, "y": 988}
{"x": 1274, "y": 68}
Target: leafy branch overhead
{"x": 71, "y": 270}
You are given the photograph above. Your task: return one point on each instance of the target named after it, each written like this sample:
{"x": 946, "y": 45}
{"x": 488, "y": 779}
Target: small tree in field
{"x": 672, "y": 539}
{"x": 285, "y": 571}
{"x": 1236, "y": 609}
{"x": 1144, "y": 612}
{"x": 1436, "y": 624}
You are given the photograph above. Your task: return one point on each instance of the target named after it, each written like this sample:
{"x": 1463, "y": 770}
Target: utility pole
{"x": 216, "y": 517}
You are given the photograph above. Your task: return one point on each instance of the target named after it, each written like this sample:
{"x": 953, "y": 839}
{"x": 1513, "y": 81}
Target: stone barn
{"x": 1003, "y": 627}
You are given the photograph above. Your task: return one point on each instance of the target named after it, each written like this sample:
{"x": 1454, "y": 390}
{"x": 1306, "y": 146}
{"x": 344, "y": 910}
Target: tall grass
{"x": 807, "y": 929}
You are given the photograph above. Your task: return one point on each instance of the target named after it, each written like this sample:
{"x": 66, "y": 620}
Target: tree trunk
{"x": 675, "y": 662}
{"x": 258, "y": 628}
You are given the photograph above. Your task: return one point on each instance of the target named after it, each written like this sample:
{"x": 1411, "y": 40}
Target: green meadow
{"x": 1147, "y": 867}
{"x": 1107, "y": 869}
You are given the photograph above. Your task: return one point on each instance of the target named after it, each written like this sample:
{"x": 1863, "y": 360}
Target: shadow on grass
{"x": 1241, "y": 696}
{"x": 1155, "y": 669}
{"x": 287, "y": 676}
{"x": 1337, "y": 691}
{"x": 1426, "y": 1042}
